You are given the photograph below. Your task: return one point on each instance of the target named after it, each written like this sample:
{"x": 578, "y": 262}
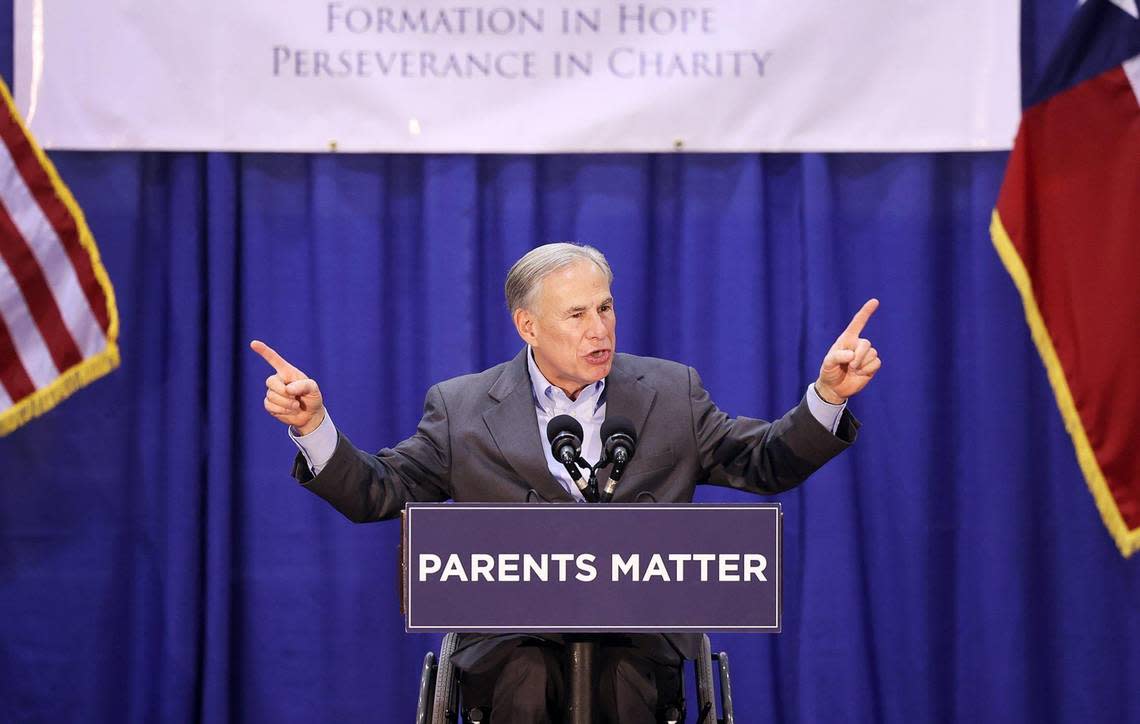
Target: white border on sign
{"x": 774, "y": 507}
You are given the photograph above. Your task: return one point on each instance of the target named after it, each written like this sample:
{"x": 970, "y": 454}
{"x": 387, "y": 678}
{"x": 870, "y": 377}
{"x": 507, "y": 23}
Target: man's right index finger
{"x": 276, "y": 361}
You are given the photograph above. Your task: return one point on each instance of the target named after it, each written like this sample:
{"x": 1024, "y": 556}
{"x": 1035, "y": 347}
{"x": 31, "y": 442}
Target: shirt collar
{"x": 545, "y": 392}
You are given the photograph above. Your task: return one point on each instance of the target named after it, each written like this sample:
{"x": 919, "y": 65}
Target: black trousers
{"x": 522, "y": 680}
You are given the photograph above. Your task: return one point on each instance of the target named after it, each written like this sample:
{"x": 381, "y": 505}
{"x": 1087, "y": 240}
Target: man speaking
{"x": 483, "y": 438}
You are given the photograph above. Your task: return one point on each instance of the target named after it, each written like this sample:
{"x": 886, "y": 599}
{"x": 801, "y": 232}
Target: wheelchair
{"x": 439, "y": 689}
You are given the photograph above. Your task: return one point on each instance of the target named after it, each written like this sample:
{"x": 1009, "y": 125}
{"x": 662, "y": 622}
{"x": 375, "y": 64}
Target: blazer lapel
{"x": 627, "y": 396}
{"x": 513, "y": 424}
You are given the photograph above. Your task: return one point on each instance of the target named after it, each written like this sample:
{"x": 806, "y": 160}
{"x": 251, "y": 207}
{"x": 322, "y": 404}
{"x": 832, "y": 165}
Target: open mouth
{"x": 599, "y": 356}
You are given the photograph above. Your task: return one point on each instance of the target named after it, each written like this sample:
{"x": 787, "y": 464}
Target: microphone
{"x": 565, "y": 436}
{"x": 620, "y": 442}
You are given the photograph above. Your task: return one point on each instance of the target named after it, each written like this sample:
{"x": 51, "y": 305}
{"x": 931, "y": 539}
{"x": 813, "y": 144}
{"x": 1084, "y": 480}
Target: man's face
{"x": 571, "y": 327}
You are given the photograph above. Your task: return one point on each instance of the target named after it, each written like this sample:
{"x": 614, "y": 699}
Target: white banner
{"x": 522, "y": 77}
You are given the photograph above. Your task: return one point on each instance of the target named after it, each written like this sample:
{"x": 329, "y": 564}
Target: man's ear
{"x": 524, "y": 324}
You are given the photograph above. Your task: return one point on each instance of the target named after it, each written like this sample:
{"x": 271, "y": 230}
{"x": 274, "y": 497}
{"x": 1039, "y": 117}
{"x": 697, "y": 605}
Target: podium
{"x": 578, "y": 570}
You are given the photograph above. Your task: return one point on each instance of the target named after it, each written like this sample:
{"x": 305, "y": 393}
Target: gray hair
{"x": 528, "y": 272}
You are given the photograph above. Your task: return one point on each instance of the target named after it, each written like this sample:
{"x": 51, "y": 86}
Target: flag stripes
{"x": 13, "y": 376}
{"x": 33, "y": 285}
{"x": 49, "y": 208}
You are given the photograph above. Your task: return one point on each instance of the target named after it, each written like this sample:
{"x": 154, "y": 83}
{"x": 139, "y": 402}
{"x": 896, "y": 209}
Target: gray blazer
{"x": 478, "y": 441}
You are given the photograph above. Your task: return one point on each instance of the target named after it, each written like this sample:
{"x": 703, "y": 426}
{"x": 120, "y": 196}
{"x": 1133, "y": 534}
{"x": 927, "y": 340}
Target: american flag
{"x": 58, "y": 320}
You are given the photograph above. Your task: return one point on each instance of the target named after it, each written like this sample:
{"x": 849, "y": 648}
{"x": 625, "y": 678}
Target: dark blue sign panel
{"x": 667, "y": 568}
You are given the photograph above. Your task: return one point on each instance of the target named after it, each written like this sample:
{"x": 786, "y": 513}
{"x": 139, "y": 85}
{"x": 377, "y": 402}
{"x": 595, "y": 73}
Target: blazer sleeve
{"x": 760, "y": 456}
{"x": 367, "y": 487}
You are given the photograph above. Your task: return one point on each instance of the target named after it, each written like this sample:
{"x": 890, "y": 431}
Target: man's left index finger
{"x": 855, "y": 328}
{"x": 267, "y": 353}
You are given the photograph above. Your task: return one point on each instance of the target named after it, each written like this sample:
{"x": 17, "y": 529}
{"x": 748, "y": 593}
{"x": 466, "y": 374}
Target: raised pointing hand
{"x": 290, "y": 395}
{"x": 851, "y": 362}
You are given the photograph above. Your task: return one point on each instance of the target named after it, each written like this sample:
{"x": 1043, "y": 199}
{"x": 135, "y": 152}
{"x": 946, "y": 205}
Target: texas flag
{"x": 1067, "y": 227}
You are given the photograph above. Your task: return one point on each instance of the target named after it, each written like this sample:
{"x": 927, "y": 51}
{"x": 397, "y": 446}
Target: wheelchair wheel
{"x": 445, "y": 705}
{"x": 706, "y": 707}
{"x": 725, "y": 688}
{"x": 427, "y": 688}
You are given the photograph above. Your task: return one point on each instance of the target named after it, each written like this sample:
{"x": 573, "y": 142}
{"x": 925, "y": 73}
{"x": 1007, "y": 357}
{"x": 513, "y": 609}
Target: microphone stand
{"x": 583, "y": 648}
{"x": 591, "y": 493}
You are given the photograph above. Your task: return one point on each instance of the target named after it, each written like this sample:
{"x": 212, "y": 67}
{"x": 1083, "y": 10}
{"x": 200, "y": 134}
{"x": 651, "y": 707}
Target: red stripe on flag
{"x": 1069, "y": 205}
{"x": 29, "y": 276}
{"x": 57, "y": 213}
{"x": 13, "y": 376}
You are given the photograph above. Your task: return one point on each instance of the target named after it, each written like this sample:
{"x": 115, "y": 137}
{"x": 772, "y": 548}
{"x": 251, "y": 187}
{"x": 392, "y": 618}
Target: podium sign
{"x": 584, "y": 568}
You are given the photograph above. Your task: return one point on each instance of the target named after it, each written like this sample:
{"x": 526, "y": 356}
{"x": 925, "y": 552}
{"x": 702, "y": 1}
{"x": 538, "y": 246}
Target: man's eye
{"x": 577, "y": 315}
{"x": 605, "y": 308}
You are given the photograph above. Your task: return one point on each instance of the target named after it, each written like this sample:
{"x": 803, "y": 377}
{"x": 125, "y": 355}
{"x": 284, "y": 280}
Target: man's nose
{"x": 598, "y": 328}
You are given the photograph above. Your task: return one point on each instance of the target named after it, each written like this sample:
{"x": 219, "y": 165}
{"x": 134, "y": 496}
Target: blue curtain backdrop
{"x": 157, "y": 563}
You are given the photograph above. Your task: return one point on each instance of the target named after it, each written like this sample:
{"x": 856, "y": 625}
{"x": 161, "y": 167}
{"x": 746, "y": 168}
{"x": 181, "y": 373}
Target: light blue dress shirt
{"x": 589, "y": 410}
